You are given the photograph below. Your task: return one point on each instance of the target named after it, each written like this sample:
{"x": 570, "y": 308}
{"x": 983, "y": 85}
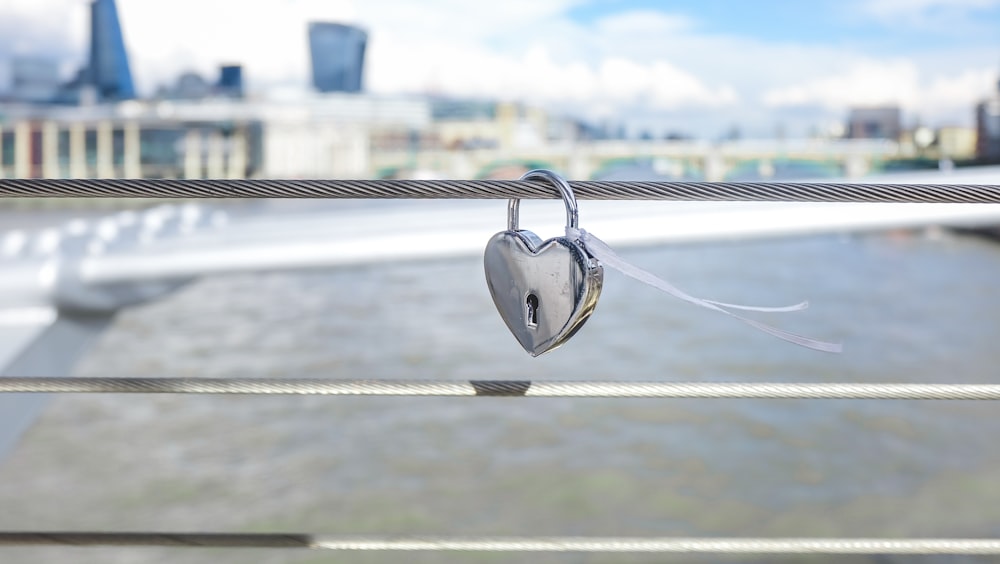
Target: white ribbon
{"x": 602, "y": 252}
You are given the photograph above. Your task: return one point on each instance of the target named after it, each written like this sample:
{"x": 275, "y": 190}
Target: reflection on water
{"x": 909, "y": 309}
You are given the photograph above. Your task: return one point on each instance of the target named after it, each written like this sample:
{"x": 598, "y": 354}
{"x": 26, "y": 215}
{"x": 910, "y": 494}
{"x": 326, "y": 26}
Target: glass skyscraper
{"x": 108, "y": 70}
{"x": 338, "y": 56}
{"x": 230, "y": 81}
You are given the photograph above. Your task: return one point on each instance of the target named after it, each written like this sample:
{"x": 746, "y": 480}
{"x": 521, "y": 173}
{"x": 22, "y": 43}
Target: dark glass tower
{"x": 988, "y": 128}
{"x": 338, "y": 56}
{"x": 230, "y": 81}
{"x": 107, "y": 70}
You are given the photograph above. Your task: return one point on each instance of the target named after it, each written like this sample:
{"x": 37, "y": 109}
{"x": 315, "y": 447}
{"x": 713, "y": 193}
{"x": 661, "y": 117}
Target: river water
{"x": 918, "y": 307}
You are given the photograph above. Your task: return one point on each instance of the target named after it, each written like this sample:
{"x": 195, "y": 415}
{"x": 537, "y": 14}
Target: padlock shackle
{"x": 572, "y": 215}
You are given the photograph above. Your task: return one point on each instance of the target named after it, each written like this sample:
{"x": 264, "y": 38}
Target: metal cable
{"x": 500, "y": 388}
{"x": 511, "y": 544}
{"x": 501, "y": 189}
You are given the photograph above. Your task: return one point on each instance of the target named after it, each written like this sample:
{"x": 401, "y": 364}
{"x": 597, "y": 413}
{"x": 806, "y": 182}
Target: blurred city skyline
{"x": 700, "y": 68}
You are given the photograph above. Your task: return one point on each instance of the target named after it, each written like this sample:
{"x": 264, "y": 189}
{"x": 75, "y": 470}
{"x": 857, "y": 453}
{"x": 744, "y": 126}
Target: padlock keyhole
{"x": 531, "y": 310}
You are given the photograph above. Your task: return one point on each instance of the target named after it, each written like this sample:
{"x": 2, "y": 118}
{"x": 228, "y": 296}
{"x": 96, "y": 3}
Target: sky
{"x": 699, "y": 67}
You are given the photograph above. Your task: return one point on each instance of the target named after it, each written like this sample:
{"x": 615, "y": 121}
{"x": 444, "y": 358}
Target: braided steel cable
{"x": 511, "y": 544}
{"x": 500, "y": 388}
{"x": 501, "y": 189}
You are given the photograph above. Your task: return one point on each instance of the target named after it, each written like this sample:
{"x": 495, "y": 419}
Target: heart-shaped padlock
{"x": 544, "y": 290}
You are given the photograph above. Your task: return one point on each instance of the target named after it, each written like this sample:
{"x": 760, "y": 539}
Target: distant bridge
{"x": 351, "y": 138}
{"x": 711, "y": 161}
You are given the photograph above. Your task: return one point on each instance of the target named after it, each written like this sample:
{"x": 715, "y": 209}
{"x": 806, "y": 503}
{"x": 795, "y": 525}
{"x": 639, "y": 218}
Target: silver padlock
{"x": 544, "y": 290}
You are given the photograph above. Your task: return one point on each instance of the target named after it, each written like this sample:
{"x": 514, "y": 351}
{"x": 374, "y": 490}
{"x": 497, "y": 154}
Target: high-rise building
{"x": 874, "y": 123}
{"x": 338, "y": 56}
{"x": 190, "y": 86}
{"x": 988, "y": 128}
{"x": 34, "y": 79}
{"x": 107, "y": 69}
{"x": 230, "y": 81}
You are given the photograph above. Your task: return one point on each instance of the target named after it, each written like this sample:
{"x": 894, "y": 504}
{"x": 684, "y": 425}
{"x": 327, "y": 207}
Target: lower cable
{"x": 501, "y": 388}
{"x": 509, "y": 544}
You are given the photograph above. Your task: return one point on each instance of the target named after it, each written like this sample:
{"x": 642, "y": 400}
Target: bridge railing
{"x": 812, "y": 192}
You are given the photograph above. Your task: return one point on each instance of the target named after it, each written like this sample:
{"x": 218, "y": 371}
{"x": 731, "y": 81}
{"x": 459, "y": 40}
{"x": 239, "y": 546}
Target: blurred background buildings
{"x": 107, "y": 72}
{"x": 337, "y": 54}
{"x": 988, "y": 127}
{"x": 94, "y": 125}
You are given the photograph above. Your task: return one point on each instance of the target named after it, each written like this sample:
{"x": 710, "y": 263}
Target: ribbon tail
{"x": 814, "y": 344}
{"x": 604, "y": 253}
{"x": 780, "y": 309}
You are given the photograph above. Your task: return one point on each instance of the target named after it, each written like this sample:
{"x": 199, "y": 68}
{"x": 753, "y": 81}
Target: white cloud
{"x": 951, "y": 97}
{"x": 660, "y": 85}
{"x": 537, "y": 66}
{"x": 628, "y": 63}
{"x": 635, "y": 22}
{"x": 947, "y": 16}
{"x": 887, "y": 9}
{"x": 28, "y": 28}
{"x": 866, "y": 83}
{"x": 502, "y": 50}
{"x": 166, "y": 38}
{"x": 939, "y": 96}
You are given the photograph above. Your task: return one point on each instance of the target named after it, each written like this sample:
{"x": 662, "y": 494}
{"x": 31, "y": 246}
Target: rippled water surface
{"x": 908, "y": 309}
